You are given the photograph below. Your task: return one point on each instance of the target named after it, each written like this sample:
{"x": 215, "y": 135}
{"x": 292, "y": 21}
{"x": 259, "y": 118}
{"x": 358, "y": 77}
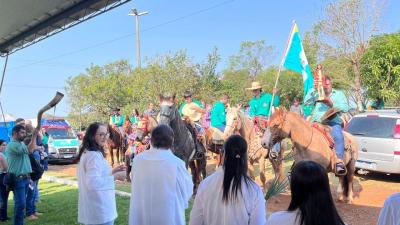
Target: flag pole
{"x": 281, "y": 64}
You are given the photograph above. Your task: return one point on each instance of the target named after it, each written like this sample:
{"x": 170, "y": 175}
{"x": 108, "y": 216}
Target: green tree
{"x": 348, "y": 26}
{"x": 380, "y": 68}
{"x": 253, "y": 57}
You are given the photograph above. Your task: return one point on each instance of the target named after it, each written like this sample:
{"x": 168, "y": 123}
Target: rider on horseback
{"x": 218, "y": 114}
{"x": 260, "y": 107}
{"x": 192, "y": 110}
{"x": 260, "y": 103}
{"x": 334, "y": 99}
{"x": 117, "y": 119}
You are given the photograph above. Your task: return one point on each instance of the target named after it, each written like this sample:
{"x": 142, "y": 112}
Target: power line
{"x": 33, "y": 86}
{"x": 125, "y": 36}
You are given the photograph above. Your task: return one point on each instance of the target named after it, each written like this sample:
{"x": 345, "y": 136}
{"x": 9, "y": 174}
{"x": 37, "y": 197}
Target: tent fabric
{"x": 25, "y": 22}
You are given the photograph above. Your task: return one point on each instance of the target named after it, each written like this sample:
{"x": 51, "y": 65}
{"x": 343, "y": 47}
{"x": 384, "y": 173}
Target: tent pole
{"x": 1, "y": 88}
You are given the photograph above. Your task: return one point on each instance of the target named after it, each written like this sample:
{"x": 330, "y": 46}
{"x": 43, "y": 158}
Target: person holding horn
{"x": 329, "y": 105}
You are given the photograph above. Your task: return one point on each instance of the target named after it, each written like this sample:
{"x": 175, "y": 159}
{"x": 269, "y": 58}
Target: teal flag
{"x": 296, "y": 60}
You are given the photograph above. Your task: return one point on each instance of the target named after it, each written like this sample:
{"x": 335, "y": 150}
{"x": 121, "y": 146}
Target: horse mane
{"x": 115, "y": 137}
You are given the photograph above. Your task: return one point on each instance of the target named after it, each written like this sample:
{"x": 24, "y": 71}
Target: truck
{"x": 63, "y": 142}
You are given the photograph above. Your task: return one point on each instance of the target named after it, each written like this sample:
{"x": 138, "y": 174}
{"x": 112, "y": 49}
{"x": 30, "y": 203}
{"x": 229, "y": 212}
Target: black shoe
{"x": 340, "y": 169}
{"x": 6, "y": 219}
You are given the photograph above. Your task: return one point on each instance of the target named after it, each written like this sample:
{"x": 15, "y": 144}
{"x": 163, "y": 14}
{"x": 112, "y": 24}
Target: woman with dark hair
{"x": 311, "y": 202}
{"x": 3, "y": 189}
{"x": 229, "y": 196}
{"x": 96, "y": 203}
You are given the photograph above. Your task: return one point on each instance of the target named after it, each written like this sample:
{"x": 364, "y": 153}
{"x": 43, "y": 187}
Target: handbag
{"x": 9, "y": 181}
{"x": 37, "y": 169}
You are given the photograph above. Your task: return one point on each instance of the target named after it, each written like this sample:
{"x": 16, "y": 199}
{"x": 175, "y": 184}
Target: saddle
{"x": 261, "y": 123}
{"x": 217, "y": 137}
{"x": 195, "y": 135}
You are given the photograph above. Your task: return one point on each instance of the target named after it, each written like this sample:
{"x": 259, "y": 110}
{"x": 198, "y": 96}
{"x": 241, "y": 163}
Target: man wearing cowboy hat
{"x": 260, "y": 103}
{"x": 188, "y": 96}
{"x": 327, "y": 112}
{"x": 117, "y": 119}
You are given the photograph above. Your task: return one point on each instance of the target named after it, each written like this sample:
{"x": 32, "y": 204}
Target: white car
{"x": 378, "y": 135}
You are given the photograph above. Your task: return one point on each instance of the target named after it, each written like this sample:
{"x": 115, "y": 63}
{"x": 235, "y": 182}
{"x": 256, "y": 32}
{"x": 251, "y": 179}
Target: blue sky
{"x": 34, "y": 74}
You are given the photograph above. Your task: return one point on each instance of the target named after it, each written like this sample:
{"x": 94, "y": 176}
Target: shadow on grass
{"x": 59, "y": 203}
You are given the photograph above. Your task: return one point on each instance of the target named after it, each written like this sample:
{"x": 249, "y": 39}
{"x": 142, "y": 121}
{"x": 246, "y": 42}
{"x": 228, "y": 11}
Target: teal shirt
{"x": 337, "y": 97}
{"x": 260, "y": 106}
{"x": 117, "y": 120}
{"x": 218, "y": 115}
{"x": 18, "y": 158}
{"x": 134, "y": 119}
{"x": 184, "y": 103}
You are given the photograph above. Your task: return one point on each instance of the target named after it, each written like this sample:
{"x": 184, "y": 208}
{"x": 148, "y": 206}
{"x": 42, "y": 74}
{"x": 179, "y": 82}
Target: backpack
{"x": 37, "y": 169}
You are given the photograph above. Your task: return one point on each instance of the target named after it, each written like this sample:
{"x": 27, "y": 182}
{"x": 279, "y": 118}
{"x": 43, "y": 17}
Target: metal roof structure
{"x": 25, "y": 22}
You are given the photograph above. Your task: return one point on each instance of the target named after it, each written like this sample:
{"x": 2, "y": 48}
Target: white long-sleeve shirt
{"x": 209, "y": 209}
{"x": 96, "y": 204}
{"x": 390, "y": 213}
{"x": 161, "y": 189}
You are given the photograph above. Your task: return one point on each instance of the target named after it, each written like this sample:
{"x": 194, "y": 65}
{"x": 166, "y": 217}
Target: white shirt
{"x": 284, "y": 218}
{"x": 390, "y": 213}
{"x": 161, "y": 189}
{"x": 96, "y": 204}
{"x": 209, "y": 209}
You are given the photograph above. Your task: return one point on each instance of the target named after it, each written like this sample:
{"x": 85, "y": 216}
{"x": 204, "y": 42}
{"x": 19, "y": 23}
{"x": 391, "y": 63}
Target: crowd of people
{"x": 22, "y": 162}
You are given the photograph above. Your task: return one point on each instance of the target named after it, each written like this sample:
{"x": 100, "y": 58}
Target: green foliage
{"x": 380, "y": 68}
{"x": 253, "y": 57}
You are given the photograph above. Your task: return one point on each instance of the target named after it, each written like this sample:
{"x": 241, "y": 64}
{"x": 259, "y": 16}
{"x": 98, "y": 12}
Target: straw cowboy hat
{"x": 254, "y": 86}
{"x": 189, "y": 111}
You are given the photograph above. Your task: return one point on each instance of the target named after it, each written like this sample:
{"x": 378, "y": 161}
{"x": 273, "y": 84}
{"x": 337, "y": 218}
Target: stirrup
{"x": 340, "y": 174}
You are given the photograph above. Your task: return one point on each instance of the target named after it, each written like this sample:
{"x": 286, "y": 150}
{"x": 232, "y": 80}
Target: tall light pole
{"x": 137, "y": 14}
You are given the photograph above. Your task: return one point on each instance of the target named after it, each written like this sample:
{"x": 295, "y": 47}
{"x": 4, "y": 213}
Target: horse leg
{"x": 349, "y": 180}
{"x": 128, "y": 169}
{"x": 112, "y": 156}
{"x": 251, "y": 169}
{"x": 192, "y": 166}
{"x": 340, "y": 189}
{"x": 263, "y": 179}
{"x": 204, "y": 167}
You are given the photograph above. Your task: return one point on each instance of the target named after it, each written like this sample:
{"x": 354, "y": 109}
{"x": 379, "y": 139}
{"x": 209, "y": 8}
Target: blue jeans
{"x": 46, "y": 160}
{"x": 30, "y": 199}
{"x": 338, "y": 138}
{"x": 276, "y": 148}
{"x": 199, "y": 128}
{"x": 3, "y": 198}
{"x": 108, "y": 223}
{"x": 221, "y": 128}
{"x": 20, "y": 191}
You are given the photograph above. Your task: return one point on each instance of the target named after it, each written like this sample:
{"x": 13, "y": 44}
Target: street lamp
{"x": 137, "y": 14}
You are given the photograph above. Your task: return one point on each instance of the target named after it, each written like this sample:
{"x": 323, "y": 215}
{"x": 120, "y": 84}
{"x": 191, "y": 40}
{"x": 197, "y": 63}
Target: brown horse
{"x": 145, "y": 125}
{"x": 310, "y": 144}
{"x": 237, "y": 122}
{"x": 115, "y": 141}
{"x": 212, "y": 145}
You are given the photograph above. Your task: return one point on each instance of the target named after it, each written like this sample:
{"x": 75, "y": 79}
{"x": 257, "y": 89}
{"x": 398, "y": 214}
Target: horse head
{"x": 168, "y": 110}
{"x": 277, "y": 129}
{"x": 145, "y": 125}
{"x": 233, "y": 123}
{"x": 127, "y": 126}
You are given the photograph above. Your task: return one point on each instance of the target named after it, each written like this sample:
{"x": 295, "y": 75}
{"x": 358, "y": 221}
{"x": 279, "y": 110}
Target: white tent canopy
{"x": 25, "y": 22}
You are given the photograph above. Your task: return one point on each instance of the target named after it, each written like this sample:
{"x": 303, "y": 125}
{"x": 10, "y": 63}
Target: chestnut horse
{"x": 237, "y": 122}
{"x": 310, "y": 144}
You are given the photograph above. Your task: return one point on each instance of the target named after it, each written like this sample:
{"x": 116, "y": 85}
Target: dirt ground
{"x": 370, "y": 192}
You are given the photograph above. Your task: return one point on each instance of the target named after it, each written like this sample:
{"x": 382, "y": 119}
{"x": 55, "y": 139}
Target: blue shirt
{"x": 338, "y": 99}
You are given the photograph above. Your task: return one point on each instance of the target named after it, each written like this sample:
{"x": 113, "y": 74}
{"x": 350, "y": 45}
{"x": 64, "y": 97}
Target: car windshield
{"x": 61, "y": 133}
{"x": 378, "y": 127}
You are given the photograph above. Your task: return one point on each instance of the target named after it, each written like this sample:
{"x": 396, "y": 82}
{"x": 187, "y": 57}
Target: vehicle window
{"x": 61, "y": 133}
{"x": 378, "y": 127}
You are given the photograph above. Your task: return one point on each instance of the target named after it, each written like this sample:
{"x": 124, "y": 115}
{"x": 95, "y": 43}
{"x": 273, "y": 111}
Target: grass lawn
{"x": 59, "y": 203}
